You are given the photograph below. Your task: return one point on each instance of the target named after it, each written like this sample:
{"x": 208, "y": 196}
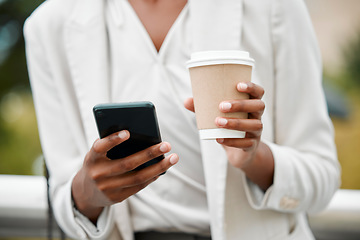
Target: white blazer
{"x": 67, "y": 55}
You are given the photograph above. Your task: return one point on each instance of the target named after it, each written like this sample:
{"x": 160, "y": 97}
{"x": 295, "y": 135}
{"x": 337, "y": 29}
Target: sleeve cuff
{"x": 76, "y": 225}
{"x": 279, "y": 195}
{"x": 256, "y": 196}
{"x": 103, "y": 227}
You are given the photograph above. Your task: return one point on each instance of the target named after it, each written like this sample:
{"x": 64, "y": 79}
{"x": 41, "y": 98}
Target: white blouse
{"x": 177, "y": 200}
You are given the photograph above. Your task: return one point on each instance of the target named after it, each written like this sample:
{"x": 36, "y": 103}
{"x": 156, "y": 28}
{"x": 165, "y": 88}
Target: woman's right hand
{"x": 102, "y": 182}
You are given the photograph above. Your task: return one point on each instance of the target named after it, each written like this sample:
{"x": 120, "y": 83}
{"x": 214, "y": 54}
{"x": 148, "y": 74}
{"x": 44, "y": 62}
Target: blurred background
{"x": 337, "y": 25}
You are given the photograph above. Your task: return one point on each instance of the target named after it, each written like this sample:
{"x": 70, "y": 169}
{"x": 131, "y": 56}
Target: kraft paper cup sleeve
{"x": 214, "y": 76}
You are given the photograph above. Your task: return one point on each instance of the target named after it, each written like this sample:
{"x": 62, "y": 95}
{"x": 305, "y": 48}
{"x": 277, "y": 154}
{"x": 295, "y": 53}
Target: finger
{"x": 121, "y": 194}
{"x": 246, "y": 125}
{"x": 102, "y": 146}
{"x": 244, "y": 143}
{"x": 162, "y": 166}
{"x": 120, "y": 166}
{"x": 189, "y": 104}
{"x": 248, "y": 105}
{"x": 142, "y": 176}
{"x": 131, "y": 162}
{"x": 254, "y": 90}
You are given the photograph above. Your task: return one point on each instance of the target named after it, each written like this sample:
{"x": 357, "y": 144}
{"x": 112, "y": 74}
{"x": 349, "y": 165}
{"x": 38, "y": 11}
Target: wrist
{"x": 81, "y": 200}
{"x": 260, "y": 169}
{"x": 92, "y": 213}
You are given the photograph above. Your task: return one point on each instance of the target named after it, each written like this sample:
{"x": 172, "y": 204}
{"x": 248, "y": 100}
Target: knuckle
{"x": 96, "y": 147}
{"x": 94, "y": 175}
{"x": 110, "y": 140}
{"x": 102, "y": 187}
{"x": 241, "y": 105}
{"x": 106, "y": 187}
{"x": 248, "y": 144}
{"x": 138, "y": 179}
{"x": 150, "y": 153}
{"x": 163, "y": 166}
{"x": 124, "y": 166}
{"x": 237, "y": 124}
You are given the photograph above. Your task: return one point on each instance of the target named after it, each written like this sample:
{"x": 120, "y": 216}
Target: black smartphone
{"x": 139, "y": 118}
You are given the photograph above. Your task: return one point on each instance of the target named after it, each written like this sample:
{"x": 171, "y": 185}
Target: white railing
{"x": 24, "y": 211}
{"x": 24, "y": 207}
{"x": 341, "y": 219}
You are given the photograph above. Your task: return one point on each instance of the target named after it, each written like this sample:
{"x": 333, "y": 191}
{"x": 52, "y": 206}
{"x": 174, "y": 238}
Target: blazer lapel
{"x": 87, "y": 50}
{"x": 86, "y": 46}
{"x": 216, "y": 24}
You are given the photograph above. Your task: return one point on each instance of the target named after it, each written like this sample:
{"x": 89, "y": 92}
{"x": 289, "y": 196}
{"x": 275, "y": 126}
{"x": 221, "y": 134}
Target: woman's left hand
{"x": 249, "y": 154}
{"x": 241, "y": 151}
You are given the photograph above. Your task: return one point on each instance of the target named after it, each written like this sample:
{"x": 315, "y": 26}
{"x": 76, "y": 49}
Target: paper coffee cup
{"x": 214, "y": 76}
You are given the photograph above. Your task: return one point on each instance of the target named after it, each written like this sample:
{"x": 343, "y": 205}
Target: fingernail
{"x": 225, "y": 106}
{"x": 242, "y": 86}
{"x": 222, "y": 121}
{"x": 174, "y": 159}
{"x": 220, "y": 140}
{"x": 122, "y": 134}
{"x": 164, "y": 147}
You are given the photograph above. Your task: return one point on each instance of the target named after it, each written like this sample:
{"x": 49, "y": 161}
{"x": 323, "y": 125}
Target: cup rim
{"x": 205, "y": 58}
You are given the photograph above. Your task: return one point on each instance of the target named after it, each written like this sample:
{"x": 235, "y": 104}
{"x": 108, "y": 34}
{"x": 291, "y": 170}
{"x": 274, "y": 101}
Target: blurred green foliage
{"x": 19, "y": 143}
{"x": 352, "y": 60}
{"x": 13, "y": 71}
{"x": 21, "y": 146}
{"x": 348, "y": 78}
{"x": 347, "y": 131}
{"x": 347, "y": 138}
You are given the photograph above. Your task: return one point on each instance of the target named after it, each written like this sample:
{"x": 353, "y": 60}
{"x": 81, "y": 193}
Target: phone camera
{"x": 100, "y": 114}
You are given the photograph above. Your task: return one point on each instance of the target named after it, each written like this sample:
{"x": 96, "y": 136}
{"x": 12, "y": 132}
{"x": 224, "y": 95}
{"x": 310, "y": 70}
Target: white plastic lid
{"x": 220, "y": 57}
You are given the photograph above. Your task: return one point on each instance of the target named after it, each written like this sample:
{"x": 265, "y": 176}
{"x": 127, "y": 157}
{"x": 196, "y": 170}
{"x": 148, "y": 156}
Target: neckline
{"x": 148, "y": 40}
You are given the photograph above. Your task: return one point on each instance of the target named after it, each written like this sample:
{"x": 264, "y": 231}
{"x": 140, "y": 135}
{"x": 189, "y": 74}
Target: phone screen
{"x": 139, "y": 118}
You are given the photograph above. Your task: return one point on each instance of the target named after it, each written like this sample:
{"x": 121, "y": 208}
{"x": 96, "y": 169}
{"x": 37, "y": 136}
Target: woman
{"x": 84, "y": 52}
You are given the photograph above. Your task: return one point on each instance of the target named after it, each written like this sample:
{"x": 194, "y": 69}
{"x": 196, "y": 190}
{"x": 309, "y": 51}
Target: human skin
{"x": 249, "y": 154}
{"x": 157, "y": 17}
{"x": 102, "y": 182}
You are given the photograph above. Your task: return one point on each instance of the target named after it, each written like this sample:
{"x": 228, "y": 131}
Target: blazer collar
{"x": 86, "y": 47}
{"x": 85, "y": 11}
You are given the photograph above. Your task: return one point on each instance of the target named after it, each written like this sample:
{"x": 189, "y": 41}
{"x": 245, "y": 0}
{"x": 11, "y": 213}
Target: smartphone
{"x": 139, "y": 118}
